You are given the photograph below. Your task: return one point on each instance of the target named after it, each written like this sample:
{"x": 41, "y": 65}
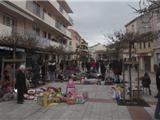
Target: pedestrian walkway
{"x": 100, "y": 106}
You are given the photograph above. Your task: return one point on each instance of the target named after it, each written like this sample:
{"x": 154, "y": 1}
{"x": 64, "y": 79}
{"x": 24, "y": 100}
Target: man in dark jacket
{"x": 157, "y": 111}
{"x": 21, "y": 84}
{"x": 103, "y": 70}
{"x": 52, "y": 69}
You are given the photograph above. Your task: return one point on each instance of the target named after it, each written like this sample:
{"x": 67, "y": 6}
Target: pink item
{"x": 71, "y": 87}
{"x": 71, "y": 84}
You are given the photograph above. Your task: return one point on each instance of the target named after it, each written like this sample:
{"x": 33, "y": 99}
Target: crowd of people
{"x": 109, "y": 72}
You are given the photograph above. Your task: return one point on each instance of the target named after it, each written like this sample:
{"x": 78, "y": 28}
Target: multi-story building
{"x": 98, "y": 52}
{"x": 144, "y": 49}
{"x": 47, "y": 20}
{"x": 155, "y": 23}
{"x": 75, "y": 39}
{"x": 83, "y": 50}
{"x": 75, "y": 42}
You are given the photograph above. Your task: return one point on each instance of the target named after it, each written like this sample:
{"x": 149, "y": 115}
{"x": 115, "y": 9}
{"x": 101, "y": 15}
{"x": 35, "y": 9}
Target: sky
{"x": 94, "y": 18}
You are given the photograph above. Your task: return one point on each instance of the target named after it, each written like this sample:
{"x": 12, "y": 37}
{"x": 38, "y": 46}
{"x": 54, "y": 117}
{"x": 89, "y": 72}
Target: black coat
{"x": 21, "y": 81}
{"x": 146, "y": 82}
{"x": 158, "y": 79}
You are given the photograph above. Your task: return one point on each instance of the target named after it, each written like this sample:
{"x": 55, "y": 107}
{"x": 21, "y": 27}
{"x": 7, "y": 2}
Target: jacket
{"x": 21, "y": 81}
{"x": 158, "y": 79}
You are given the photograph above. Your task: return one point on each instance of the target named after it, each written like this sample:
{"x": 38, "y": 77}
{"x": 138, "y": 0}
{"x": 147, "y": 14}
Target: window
{"x": 7, "y": 20}
{"x": 34, "y": 7}
{"x": 44, "y": 34}
{"x": 50, "y": 14}
{"x": 149, "y": 44}
{"x": 140, "y": 45}
{"x": 36, "y": 29}
{"x": 61, "y": 9}
{"x": 144, "y": 45}
{"x": 70, "y": 43}
{"x": 49, "y": 36}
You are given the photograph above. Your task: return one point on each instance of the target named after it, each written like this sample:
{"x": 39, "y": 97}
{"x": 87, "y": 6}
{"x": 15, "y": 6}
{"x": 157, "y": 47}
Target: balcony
{"x": 63, "y": 29}
{"x": 49, "y": 20}
{"x": 44, "y": 42}
{"x": 5, "y": 30}
{"x": 57, "y": 6}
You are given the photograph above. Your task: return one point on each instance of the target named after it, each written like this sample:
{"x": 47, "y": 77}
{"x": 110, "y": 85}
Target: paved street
{"x": 100, "y": 106}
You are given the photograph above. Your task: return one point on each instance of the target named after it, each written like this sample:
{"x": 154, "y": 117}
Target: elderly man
{"x": 21, "y": 84}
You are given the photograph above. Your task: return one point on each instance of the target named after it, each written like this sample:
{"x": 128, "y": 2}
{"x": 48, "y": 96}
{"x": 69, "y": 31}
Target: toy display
{"x": 46, "y": 96}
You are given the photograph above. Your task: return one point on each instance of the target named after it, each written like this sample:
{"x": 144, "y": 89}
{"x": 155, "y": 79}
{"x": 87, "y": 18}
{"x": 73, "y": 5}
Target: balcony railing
{"x": 5, "y": 30}
{"x": 63, "y": 12}
{"x": 49, "y": 20}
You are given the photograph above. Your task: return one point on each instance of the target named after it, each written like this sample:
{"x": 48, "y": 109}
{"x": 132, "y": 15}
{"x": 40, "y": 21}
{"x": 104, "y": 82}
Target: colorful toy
{"x": 80, "y": 99}
{"x": 71, "y": 101}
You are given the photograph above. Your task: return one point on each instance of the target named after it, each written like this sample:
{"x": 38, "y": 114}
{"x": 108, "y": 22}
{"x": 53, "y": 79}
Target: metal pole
{"x": 124, "y": 89}
{"x": 130, "y": 78}
{"x": 14, "y": 66}
{"x": 2, "y": 75}
{"x": 138, "y": 81}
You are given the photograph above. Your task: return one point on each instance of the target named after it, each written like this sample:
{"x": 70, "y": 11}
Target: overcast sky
{"x": 94, "y": 18}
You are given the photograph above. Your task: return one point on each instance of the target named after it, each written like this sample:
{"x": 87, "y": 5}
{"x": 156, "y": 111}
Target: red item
{"x": 93, "y": 64}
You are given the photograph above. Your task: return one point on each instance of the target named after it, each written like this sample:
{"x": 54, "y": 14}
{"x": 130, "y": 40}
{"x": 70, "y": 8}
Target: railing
{"x": 60, "y": 27}
{"x": 57, "y": 6}
{"x": 5, "y": 30}
{"x": 49, "y": 20}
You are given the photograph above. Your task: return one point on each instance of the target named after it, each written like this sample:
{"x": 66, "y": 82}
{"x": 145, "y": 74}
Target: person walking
{"x": 52, "y": 69}
{"x": 21, "y": 84}
{"x": 146, "y": 81}
{"x": 157, "y": 110}
{"x": 103, "y": 70}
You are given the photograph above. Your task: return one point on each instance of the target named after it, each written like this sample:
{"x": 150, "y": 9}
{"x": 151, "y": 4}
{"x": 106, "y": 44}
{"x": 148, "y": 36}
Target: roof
{"x": 133, "y": 20}
{"x": 97, "y": 45}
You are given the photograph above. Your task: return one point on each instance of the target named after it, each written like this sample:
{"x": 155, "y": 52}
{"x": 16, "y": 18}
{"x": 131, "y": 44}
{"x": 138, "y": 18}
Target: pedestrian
{"x": 146, "y": 81}
{"x": 21, "y": 84}
{"x": 36, "y": 74}
{"x": 52, "y": 69}
{"x": 88, "y": 66}
{"x": 43, "y": 72}
{"x": 61, "y": 65}
{"x": 103, "y": 70}
{"x": 157, "y": 110}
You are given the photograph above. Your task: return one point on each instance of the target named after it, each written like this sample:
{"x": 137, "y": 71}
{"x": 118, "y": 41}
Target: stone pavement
{"x": 100, "y": 106}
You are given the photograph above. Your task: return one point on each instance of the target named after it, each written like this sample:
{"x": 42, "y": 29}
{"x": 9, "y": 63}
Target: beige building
{"x": 47, "y": 20}
{"x": 75, "y": 39}
{"x": 98, "y": 51}
{"x": 144, "y": 49}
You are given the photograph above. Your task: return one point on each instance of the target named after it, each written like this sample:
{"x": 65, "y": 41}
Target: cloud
{"x": 93, "y": 19}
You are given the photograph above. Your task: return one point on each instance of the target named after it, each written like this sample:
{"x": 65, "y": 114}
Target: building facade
{"x": 144, "y": 49}
{"x": 98, "y": 52}
{"x": 75, "y": 39}
{"x": 46, "y": 20}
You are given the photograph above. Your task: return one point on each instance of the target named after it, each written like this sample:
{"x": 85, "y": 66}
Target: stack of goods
{"x": 48, "y": 96}
{"x": 51, "y": 95}
{"x": 72, "y": 95}
{"x": 30, "y": 94}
